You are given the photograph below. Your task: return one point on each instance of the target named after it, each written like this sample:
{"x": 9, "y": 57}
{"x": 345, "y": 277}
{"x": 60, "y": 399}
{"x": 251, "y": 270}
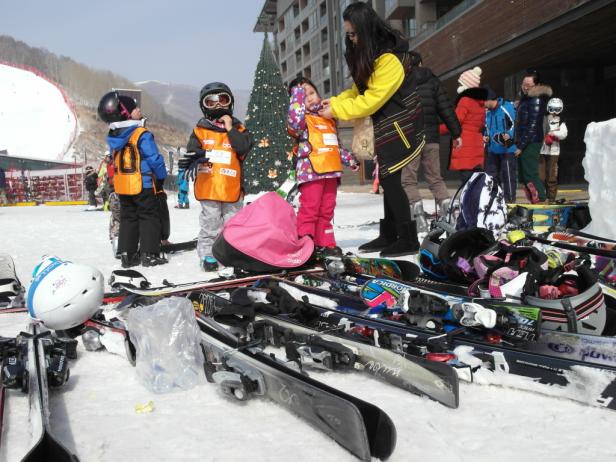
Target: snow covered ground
{"x": 35, "y": 119}
{"x": 94, "y": 413}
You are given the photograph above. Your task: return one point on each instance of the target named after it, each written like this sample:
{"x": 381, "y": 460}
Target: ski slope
{"x": 94, "y": 413}
{"x": 36, "y": 119}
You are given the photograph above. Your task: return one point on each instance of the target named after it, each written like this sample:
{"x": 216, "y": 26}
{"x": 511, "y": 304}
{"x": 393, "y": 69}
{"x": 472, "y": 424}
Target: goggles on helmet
{"x": 210, "y": 101}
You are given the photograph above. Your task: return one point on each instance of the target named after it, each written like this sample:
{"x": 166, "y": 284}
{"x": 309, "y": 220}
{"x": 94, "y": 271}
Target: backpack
{"x": 263, "y": 237}
{"x": 482, "y": 204}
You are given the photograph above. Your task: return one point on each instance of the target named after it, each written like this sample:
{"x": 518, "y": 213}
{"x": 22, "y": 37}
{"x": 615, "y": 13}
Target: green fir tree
{"x": 266, "y": 166}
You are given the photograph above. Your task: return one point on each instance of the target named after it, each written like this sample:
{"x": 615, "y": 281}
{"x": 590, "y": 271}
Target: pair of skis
{"x": 32, "y": 362}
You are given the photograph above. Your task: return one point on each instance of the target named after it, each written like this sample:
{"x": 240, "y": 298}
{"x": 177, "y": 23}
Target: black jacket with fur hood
{"x": 529, "y": 117}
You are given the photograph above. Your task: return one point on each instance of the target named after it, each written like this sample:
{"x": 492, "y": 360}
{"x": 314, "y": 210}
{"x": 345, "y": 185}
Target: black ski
{"x": 243, "y": 371}
{"x": 550, "y": 363}
{"x": 330, "y": 350}
{"x": 35, "y": 361}
{"x": 179, "y": 246}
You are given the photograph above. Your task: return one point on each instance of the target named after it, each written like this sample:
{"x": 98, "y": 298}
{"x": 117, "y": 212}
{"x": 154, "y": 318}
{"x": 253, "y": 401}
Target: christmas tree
{"x": 266, "y": 166}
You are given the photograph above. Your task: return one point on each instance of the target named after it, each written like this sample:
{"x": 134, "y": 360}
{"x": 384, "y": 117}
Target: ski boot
{"x": 209, "y": 263}
{"x": 474, "y": 315}
{"x": 418, "y": 214}
{"x": 153, "y": 259}
{"x": 130, "y": 259}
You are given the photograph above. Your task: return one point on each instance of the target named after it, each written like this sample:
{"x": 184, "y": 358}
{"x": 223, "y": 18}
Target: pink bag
{"x": 263, "y": 237}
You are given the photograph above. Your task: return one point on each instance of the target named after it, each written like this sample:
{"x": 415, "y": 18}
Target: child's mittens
{"x": 549, "y": 139}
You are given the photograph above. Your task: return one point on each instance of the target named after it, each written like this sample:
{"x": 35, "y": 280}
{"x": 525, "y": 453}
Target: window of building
{"x": 324, "y": 35}
{"x": 307, "y": 72}
{"x": 305, "y": 25}
{"x": 281, "y": 24}
{"x": 323, "y": 9}
{"x": 410, "y": 27}
{"x": 326, "y": 87}
{"x": 295, "y": 10}
{"x": 297, "y": 33}
{"x": 283, "y": 67}
{"x": 325, "y": 60}
{"x": 306, "y": 50}
{"x": 303, "y": 4}
{"x": 283, "y": 47}
{"x": 298, "y": 57}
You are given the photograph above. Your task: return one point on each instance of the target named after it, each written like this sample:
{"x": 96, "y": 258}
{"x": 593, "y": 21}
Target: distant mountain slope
{"x": 182, "y": 101}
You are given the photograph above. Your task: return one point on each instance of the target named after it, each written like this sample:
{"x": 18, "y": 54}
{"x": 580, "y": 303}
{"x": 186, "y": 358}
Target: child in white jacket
{"x": 555, "y": 131}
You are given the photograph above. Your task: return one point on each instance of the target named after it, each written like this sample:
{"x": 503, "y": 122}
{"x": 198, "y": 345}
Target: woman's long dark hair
{"x": 373, "y": 36}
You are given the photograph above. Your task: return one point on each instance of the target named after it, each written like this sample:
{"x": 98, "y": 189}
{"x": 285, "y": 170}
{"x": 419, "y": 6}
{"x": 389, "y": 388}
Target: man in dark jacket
{"x": 91, "y": 182}
{"x": 529, "y": 135}
{"x": 436, "y": 105}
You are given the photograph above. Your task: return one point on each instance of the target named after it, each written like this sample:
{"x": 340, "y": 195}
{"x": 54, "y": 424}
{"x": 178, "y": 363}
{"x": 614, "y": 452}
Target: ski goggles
{"x": 210, "y": 101}
{"x": 431, "y": 265}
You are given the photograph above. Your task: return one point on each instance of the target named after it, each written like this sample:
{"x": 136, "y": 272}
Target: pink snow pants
{"x": 317, "y": 202}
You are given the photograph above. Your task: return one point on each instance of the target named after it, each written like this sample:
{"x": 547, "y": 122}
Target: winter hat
{"x": 491, "y": 96}
{"x": 469, "y": 79}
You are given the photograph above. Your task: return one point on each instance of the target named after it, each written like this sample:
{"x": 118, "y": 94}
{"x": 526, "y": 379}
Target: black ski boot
{"x": 387, "y": 236}
{"x": 209, "y": 264}
{"x": 153, "y": 259}
{"x": 407, "y": 242}
{"x": 130, "y": 259}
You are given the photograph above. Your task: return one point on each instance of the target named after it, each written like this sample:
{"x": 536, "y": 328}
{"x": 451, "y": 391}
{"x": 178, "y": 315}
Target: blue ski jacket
{"x": 500, "y": 121}
{"x": 151, "y": 160}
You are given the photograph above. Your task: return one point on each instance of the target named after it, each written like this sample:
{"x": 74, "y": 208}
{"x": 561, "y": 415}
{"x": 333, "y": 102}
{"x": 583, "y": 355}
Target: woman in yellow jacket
{"x": 385, "y": 89}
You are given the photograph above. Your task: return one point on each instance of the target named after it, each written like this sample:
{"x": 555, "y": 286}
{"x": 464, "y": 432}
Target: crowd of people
{"x": 409, "y": 109}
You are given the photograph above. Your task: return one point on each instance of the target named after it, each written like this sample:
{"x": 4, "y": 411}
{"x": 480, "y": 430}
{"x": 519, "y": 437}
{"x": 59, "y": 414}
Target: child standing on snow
{"x": 318, "y": 167}
{"x": 556, "y": 131}
{"x": 216, "y": 149}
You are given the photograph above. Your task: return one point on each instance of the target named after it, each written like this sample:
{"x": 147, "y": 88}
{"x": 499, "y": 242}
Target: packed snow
{"x": 35, "y": 119}
{"x": 95, "y": 416}
{"x": 599, "y": 167}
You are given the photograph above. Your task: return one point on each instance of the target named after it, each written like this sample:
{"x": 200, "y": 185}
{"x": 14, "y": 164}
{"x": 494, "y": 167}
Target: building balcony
{"x": 398, "y": 9}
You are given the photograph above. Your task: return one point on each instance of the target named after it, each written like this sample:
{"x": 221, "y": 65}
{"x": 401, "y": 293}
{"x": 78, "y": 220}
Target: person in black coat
{"x": 91, "y": 183}
{"x": 436, "y": 107}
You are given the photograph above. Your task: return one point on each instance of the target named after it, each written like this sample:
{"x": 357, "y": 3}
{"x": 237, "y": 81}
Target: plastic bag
{"x": 167, "y": 340}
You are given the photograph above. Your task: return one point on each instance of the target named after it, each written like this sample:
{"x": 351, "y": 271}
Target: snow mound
{"x": 37, "y": 119}
{"x": 599, "y": 167}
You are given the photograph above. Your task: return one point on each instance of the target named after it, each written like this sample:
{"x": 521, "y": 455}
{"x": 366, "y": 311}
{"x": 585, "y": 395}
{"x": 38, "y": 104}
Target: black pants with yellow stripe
{"x": 140, "y": 225}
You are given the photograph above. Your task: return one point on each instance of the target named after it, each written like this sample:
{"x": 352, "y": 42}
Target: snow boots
{"x": 153, "y": 259}
{"x": 130, "y": 259}
{"x": 387, "y": 236}
{"x": 406, "y": 243}
{"x": 209, "y": 263}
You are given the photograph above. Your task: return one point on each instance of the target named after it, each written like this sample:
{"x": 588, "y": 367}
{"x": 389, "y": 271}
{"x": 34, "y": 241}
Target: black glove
{"x": 186, "y": 161}
{"x": 160, "y": 185}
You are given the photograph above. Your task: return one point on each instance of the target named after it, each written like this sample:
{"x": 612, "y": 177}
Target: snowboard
{"x": 379, "y": 267}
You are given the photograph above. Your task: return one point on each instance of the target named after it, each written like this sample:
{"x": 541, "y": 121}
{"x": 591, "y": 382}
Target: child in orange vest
{"x": 318, "y": 167}
{"x": 216, "y": 149}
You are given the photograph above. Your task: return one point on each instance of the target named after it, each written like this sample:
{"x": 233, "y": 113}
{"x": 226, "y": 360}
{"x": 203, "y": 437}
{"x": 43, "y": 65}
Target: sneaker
{"x": 153, "y": 259}
{"x": 209, "y": 264}
{"x": 130, "y": 260}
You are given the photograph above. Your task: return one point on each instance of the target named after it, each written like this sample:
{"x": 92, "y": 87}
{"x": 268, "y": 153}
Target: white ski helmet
{"x": 555, "y": 105}
{"x": 63, "y": 294}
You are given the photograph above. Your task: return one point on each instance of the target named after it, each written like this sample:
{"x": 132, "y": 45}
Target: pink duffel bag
{"x": 263, "y": 237}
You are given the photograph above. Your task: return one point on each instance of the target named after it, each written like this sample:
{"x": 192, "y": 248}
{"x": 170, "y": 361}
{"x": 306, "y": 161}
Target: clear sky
{"x": 180, "y": 41}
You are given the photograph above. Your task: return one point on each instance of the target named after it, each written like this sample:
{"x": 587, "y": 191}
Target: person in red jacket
{"x": 471, "y": 112}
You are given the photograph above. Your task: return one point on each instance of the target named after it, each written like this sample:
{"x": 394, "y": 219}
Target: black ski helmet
{"x": 215, "y": 87}
{"x": 114, "y": 107}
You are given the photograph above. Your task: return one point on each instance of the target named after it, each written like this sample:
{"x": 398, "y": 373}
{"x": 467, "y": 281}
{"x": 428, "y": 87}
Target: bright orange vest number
{"x": 127, "y": 163}
{"x": 325, "y": 154}
{"x": 221, "y": 178}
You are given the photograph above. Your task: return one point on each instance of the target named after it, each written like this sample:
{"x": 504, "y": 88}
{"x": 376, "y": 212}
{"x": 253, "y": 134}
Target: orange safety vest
{"x": 323, "y": 138}
{"x": 127, "y": 163}
{"x": 221, "y": 178}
